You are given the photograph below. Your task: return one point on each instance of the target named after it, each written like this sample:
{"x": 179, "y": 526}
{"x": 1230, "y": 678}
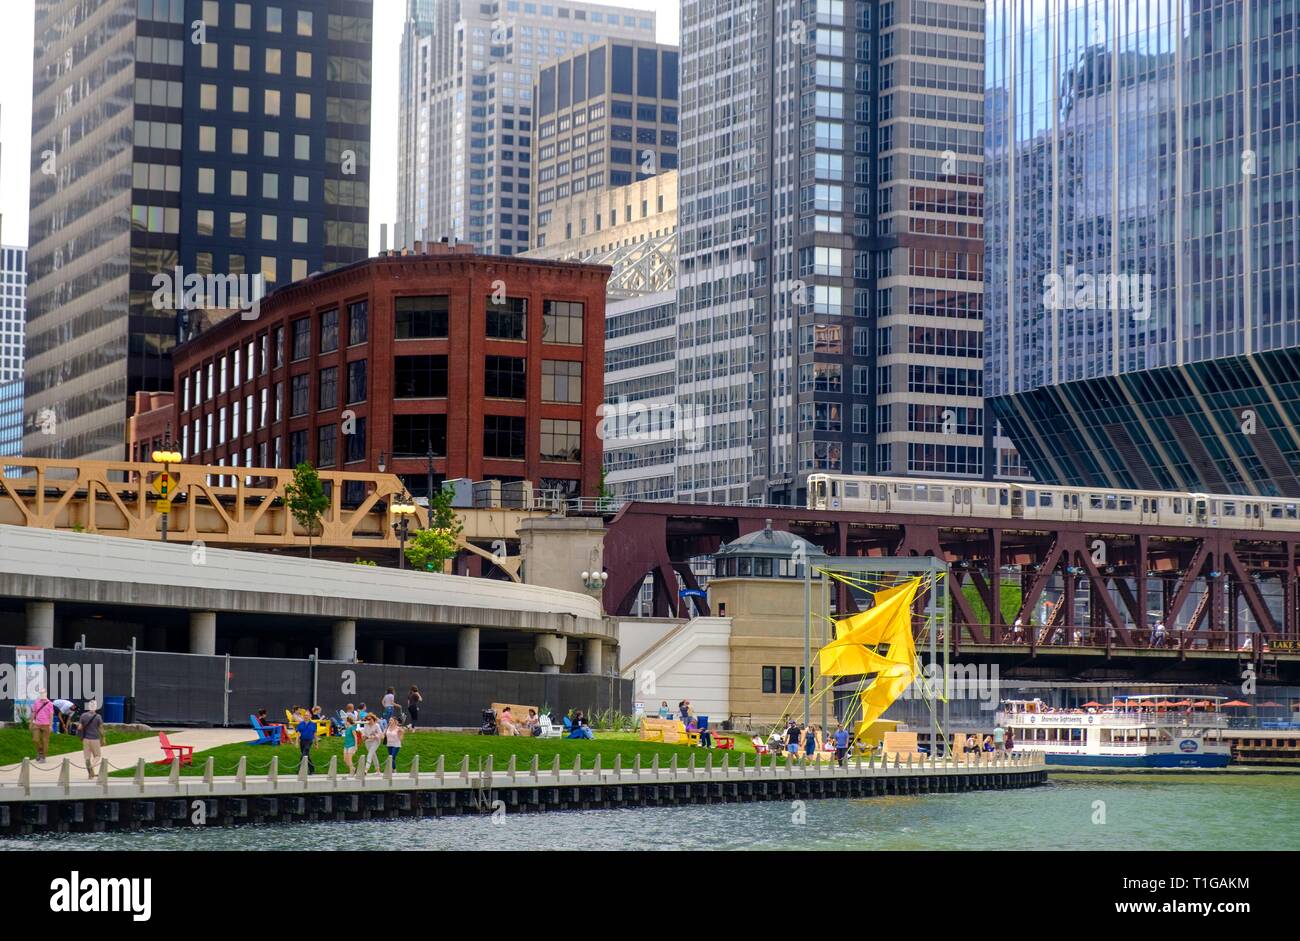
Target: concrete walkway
{"x": 126, "y": 754}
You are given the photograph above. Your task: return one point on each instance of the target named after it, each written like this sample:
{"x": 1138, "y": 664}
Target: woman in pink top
{"x": 41, "y": 720}
{"x": 393, "y": 735}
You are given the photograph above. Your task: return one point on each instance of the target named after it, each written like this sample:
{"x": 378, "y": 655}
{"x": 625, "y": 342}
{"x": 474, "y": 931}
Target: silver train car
{"x": 1015, "y": 501}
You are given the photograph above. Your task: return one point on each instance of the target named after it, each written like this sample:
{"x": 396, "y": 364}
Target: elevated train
{"x": 1030, "y": 501}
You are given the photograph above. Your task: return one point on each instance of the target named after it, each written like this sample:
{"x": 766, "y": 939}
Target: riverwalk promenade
{"x": 62, "y": 801}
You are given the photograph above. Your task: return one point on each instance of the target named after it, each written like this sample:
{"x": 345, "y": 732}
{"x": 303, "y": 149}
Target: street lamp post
{"x": 429, "y": 457}
{"x": 166, "y": 456}
{"x": 404, "y": 510}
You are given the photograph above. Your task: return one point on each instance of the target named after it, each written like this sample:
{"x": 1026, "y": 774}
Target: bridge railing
{"x": 1062, "y": 637}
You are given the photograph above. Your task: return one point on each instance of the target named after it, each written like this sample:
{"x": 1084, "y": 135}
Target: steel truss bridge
{"x": 236, "y": 507}
{"x": 1221, "y": 593}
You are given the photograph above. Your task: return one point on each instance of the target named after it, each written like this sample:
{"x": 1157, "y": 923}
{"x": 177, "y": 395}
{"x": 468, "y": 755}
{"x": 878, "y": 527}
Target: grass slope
{"x": 456, "y": 745}
{"x": 16, "y": 744}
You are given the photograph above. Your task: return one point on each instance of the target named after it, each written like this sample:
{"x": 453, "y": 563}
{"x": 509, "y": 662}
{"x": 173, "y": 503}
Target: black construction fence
{"x": 192, "y": 689}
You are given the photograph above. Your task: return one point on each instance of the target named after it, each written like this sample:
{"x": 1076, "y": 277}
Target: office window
{"x": 271, "y": 143}
{"x": 299, "y": 229}
{"x": 507, "y": 321}
{"x": 207, "y": 180}
{"x": 208, "y": 97}
{"x": 243, "y": 16}
{"x": 301, "y": 338}
{"x": 243, "y": 58}
{"x": 238, "y": 140}
{"x": 238, "y": 182}
{"x": 207, "y": 139}
{"x": 327, "y": 393}
{"x": 239, "y": 99}
{"x": 561, "y": 322}
{"x": 561, "y": 381}
{"x": 327, "y": 437}
{"x": 204, "y": 221}
{"x": 503, "y": 437}
{"x": 329, "y": 331}
{"x": 301, "y": 189}
{"x": 304, "y": 23}
{"x": 303, "y": 65}
{"x": 301, "y": 147}
{"x": 504, "y": 377}
{"x": 787, "y": 680}
{"x": 358, "y": 322}
{"x": 297, "y": 448}
{"x": 272, "y": 62}
{"x": 302, "y": 106}
{"x": 416, "y": 435}
{"x": 356, "y": 381}
{"x": 299, "y": 387}
{"x": 769, "y": 679}
{"x": 421, "y": 317}
{"x": 211, "y": 13}
{"x": 419, "y": 377}
{"x": 270, "y": 228}
{"x": 238, "y": 225}
{"x": 561, "y": 439}
{"x": 354, "y": 444}
{"x": 274, "y": 20}
{"x": 271, "y": 102}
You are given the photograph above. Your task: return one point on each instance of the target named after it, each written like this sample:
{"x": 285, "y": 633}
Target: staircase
{"x": 692, "y": 661}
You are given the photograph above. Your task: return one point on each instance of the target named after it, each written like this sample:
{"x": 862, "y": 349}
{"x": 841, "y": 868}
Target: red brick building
{"x": 496, "y": 362}
{"x": 152, "y": 423}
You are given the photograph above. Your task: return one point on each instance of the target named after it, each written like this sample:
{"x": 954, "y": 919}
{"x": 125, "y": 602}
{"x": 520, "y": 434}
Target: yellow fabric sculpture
{"x": 886, "y": 625}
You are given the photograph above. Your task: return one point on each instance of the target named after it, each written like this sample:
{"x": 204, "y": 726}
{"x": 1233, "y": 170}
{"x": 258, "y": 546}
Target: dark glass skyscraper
{"x": 218, "y": 136}
{"x": 1142, "y": 284}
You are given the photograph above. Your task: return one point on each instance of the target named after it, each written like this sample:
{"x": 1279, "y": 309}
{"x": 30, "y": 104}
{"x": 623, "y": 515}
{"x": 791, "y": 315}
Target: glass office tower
{"x": 237, "y": 146}
{"x": 1141, "y": 269}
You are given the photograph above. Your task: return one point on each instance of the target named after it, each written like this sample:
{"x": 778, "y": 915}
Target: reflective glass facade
{"x": 1141, "y": 190}
{"x": 221, "y": 136}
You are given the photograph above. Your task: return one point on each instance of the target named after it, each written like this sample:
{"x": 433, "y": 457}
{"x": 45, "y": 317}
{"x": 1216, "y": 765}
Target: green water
{"x": 1140, "y": 811}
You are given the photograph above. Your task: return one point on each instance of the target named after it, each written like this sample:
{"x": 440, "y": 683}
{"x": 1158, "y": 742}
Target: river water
{"x": 1074, "y": 812}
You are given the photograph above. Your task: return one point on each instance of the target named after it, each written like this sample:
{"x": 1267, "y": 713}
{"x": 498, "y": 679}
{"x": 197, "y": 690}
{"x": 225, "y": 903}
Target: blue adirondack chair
{"x": 265, "y": 735}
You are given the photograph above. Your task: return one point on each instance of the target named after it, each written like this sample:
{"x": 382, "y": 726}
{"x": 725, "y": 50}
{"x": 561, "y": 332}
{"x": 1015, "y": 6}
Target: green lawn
{"x": 456, "y": 745}
{"x": 16, "y": 744}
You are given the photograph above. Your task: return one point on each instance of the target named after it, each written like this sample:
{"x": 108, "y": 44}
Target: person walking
{"x": 389, "y": 703}
{"x": 349, "y": 741}
{"x": 372, "y": 734}
{"x": 306, "y": 729}
{"x": 792, "y": 740}
{"x": 999, "y": 736}
{"x": 841, "y": 743}
{"x": 810, "y": 743}
{"x": 1010, "y": 741}
{"x": 393, "y": 735}
{"x": 92, "y": 736}
{"x": 42, "y": 719}
{"x": 413, "y": 700}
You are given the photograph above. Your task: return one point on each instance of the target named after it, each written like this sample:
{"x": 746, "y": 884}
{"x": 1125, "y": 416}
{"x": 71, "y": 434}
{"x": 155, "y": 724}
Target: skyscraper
{"x": 466, "y": 118}
{"x": 13, "y": 306}
{"x": 831, "y": 280}
{"x": 218, "y": 137}
{"x": 1142, "y": 269}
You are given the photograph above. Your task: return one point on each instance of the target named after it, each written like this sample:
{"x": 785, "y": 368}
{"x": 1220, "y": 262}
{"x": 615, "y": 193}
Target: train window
{"x": 1044, "y": 498}
{"x": 988, "y": 496}
{"x": 1031, "y": 498}
{"x": 1229, "y": 508}
{"x": 1178, "y": 505}
{"x": 1275, "y": 512}
{"x": 921, "y": 492}
{"x": 873, "y": 491}
{"x": 1290, "y": 511}
{"x": 936, "y": 494}
{"x": 1112, "y": 501}
{"x": 850, "y": 490}
{"x": 905, "y": 492}
{"x": 1145, "y": 504}
{"x": 1126, "y": 503}
{"x": 1094, "y": 501}
{"x": 835, "y": 488}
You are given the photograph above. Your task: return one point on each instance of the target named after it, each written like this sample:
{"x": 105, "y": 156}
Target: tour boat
{"x": 1131, "y": 732}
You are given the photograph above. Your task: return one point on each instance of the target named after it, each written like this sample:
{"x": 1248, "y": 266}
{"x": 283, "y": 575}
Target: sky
{"x": 16, "y": 109}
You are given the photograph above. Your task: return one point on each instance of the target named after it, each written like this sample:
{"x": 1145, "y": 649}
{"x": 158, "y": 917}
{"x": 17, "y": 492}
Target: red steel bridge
{"x": 1222, "y": 594}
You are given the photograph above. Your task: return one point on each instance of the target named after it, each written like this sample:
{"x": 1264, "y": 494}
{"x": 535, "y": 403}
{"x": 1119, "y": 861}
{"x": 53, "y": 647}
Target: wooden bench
{"x": 518, "y": 714}
{"x": 900, "y": 745}
{"x": 668, "y": 731}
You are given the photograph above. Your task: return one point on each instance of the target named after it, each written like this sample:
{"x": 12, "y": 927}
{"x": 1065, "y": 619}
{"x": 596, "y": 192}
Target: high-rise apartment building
{"x": 831, "y": 253}
{"x": 222, "y": 138}
{"x": 606, "y": 117}
{"x": 466, "y": 122}
{"x": 13, "y": 307}
{"x": 1142, "y": 275}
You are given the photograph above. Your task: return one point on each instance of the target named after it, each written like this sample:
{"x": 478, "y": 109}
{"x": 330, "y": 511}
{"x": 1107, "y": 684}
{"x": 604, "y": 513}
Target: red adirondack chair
{"x": 185, "y": 753}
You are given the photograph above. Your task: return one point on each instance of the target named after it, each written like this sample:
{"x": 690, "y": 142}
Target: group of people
{"x": 999, "y": 740}
{"x": 805, "y": 742}
{"x": 356, "y": 726}
{"x": 48, "y": 715}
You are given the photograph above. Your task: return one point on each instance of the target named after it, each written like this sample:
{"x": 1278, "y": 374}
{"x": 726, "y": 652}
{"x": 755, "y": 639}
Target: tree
{"x": 305, "y": 497}
{"x": 430, "y": 548}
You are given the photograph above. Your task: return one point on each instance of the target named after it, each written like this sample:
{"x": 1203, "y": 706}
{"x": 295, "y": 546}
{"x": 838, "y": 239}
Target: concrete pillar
{"x": 593, "y": 655}
{"x": 467, "y": 648}
{"x": 551, "y": 650}
{"x": 345, "y": 640}
{"x": 203, "y": 632}
{"x": 40, "y": 624}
